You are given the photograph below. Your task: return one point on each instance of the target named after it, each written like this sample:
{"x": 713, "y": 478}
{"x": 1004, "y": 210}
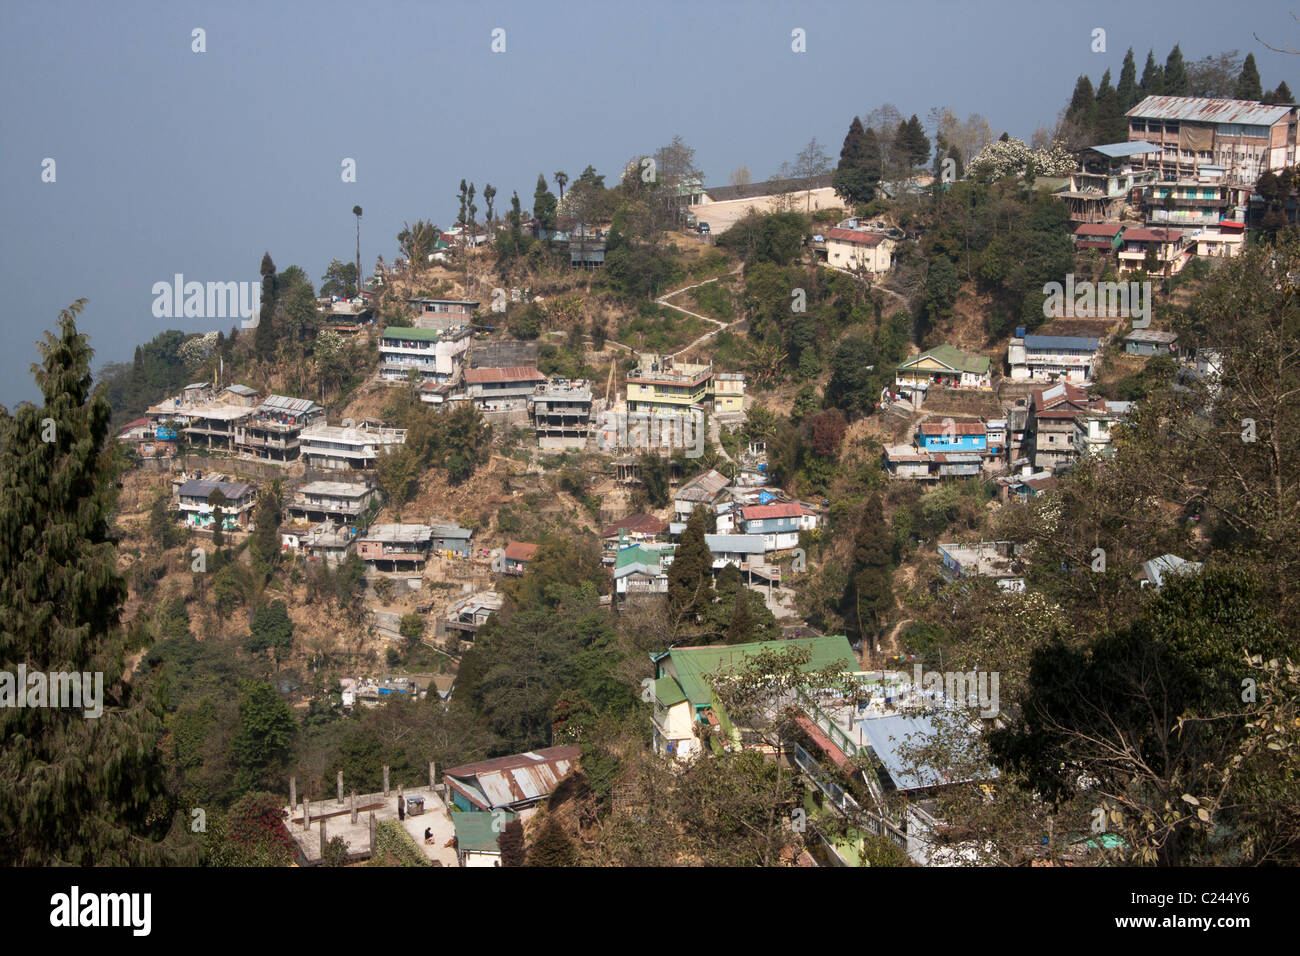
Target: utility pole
{"x": 356, "y": 211}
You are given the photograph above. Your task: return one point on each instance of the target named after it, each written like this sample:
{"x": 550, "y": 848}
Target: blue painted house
{"x": 952, "y": 436}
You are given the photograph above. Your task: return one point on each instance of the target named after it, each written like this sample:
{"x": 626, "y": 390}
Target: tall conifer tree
{"x": 76, "y": 790}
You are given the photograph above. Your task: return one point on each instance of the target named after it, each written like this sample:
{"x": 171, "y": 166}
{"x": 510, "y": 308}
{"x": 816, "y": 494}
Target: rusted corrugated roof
{"x": 519, "y": 778}
{"x": 511, "y": 373}
{"x": 1197, "y": 110}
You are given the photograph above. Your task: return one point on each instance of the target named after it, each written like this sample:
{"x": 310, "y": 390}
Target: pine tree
{"x": 1153, "y": 77}
{"x": 1283, "y": 94}
{"x": 265, "y": 542}
{"x": 1127, "y": 87}
{"x": 544, "y": 204}
{"x": 1083, "y": 104}
{"x": 917, "y": 143}
{"x": 741, "y": 629}
{"x": 77, "y": 790}
{"x": 264, "y": 337}
{"x": 1109, "y": 124}
{"x": 1248, "y": 85}
{"x": 552, "y": 847}
{"x": 859, "y": 169}
{"x": 870, "y": 592}
{"x": 690, "y": 576}
{"x": 1176, "y": 81}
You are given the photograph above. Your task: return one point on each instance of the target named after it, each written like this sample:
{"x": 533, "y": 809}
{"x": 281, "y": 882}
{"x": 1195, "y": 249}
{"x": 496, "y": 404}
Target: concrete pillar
{"x": 323, "y": 838}
{"x": 306, "y": 814}
{"x": 354, "y": 808}
{"x": 372, "y": 832}
{"x": 385, "y": 780}
{"x": 432, "y": 775}
{"x": 293, "y": 791}
{"x": 340, "y": 788}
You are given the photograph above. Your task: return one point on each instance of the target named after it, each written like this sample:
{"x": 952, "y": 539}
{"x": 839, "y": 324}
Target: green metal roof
{"x": 652, "y": 557}
{"x": 474, "y": 830}
{"x": 953, "y": 357}
{"x": 668, "y": 692}
{"x": 694, "y": 664}
{"x": 419, "y": 335}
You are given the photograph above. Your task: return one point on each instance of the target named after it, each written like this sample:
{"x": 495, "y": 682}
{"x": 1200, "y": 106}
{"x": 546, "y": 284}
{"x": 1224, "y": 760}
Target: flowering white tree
{"x": 195, "y": 351}
{"x": 1013, "y": 157}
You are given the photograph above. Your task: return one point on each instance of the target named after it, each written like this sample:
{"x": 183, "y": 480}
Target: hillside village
{"x": 591, "y": 532}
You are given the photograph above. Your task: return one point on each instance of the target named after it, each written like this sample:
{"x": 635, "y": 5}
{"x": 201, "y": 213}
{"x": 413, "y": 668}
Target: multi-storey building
{"x": 561, "y": 412}
{"x": 273, "y": 431}
{"x": 197, "y": 509}
{"x": 1243, "y": 137}
{"x": 436, "y": 354}
{"x": 1042, "y": 358}
{"x": 1107, "y": 180}
{"x": 343, "y": 447}
{"x": 1167, "y": 247}
{"x": 331, "y": 500}
{"x": 660, "y": 383}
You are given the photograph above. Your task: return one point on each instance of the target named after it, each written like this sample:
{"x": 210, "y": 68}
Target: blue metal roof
{"x": 1116, "y": 150}
{"x": 889, "y": 737}
{"x": 1060, "y": 342}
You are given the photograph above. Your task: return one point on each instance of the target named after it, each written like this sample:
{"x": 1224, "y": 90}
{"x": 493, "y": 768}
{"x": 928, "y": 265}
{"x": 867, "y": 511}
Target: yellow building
{"x": 660, "y": 383}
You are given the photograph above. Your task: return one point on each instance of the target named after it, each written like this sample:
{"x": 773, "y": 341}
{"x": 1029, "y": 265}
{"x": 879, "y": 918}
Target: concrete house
{"x": 339, "y": 501}
{"x": 437, "y": 355}
{"x": 858, "y": 249}
{"x": 778, "y": 524}
{"x": 346, "y": 447}
{"x": 1150, "y": 342}
{"x": 1044, "y": 358}
{"x": 952, "y": 437}
{"x": 194, "y": 502}
{"x": 944, "y": 366}
{"x": 395, "y": 546}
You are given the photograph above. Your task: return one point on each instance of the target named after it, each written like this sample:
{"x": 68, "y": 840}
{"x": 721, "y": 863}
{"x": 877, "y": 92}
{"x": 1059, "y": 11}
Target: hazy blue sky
{"x": 173, "y": 161}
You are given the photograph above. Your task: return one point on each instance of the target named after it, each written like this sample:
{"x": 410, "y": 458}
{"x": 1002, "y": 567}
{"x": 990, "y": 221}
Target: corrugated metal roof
{"x": 511, "y": 373}
{"x": 703, "y": 487}
{"x": 953, "y": 428}
{"x": 890, "y": 736}
{"x": 786, "y": 509}
{"x": 855, "y": 236}
{"x": 196, "y": 488}
{"x": 520, "y": 551}
{"x": 1198, "y": 110}
{"x": 693, "y": 665}
{"x": 735, "y": 543}
{"x": 954, "y": 358}
{"x": 1061, "y": 342}
{"x": 283, "y": 403}
{"x": 1134, "y": 148}
{"x": 520, "y": 778}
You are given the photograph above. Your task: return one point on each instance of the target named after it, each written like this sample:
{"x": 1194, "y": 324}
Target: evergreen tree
{"x": 1153, "y": 77}
{"x": 870, "y": 592}
{"x": 741, "y": 629}
{"x": 544, "y": 204}
{"x": 1283, "y": 94}
{"x": 917, "y": 143}
{"x": 77, "y": 790}
{"x": 690, "y": 576}
{"x": 859, "y": 169}
{"x": 265, "y": 542}
{"x": 1109, "y": 124}
{"x": 1248, "y": 85}
{"x": 1127, "y": 87}
{"x": 264, "y": 337}
{"x": 553, "y": 847}
{"x": 1176, "y": 80}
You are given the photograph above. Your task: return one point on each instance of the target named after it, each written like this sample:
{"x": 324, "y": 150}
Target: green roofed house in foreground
{"x": 684, "y": 697}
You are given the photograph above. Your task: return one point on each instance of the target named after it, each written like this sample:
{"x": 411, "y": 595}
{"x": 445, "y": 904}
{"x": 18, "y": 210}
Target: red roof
{"x": 1231, "y": 224}
{"x": 955, "y": 428}
{"x": 1152, "y": 235}
{"x": 1099, "y": 229}
{"x": 136, "y": 424}
{"x": 520, "y": 551}
{"x": 511, "y": 373}
{"x": 785, "y": 509}
{"x": 635, "y": 524}
{"x": 853, "y": 235}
